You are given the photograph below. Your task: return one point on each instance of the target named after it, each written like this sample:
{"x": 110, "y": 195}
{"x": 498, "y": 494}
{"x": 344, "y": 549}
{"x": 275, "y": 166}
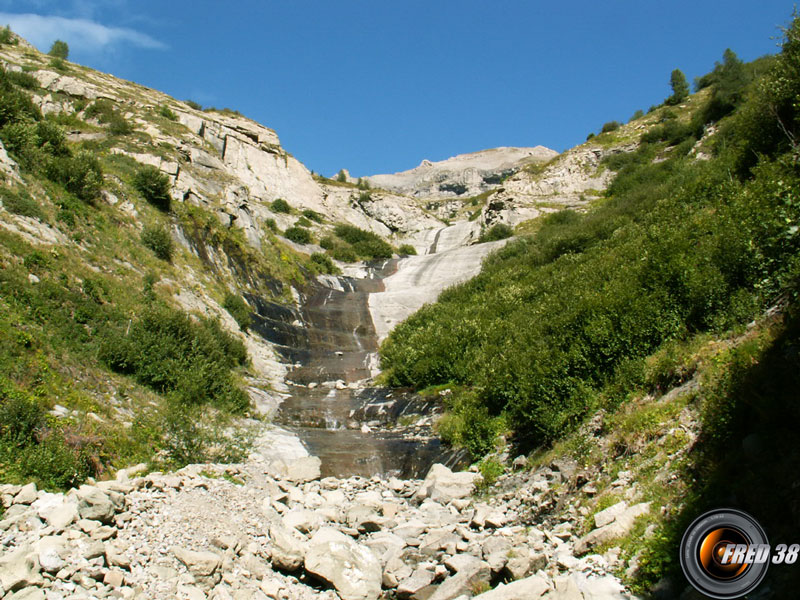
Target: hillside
{"x": 606, "y": 334}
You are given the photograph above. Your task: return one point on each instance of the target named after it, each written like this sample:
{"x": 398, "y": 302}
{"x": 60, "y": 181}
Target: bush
{"x": 271, "y": 225}
{"x": 610, "y": 126}
{"x": 637, "y": 115}
{"x": 154, "y": 186}
{"x": 80, "y": 174}
{"x": 279, "y": 205}
{"x": 59, "y": 49}
{"x": 406, "y": 250}
{"x": 21, "y": 420}
{"x": 500, "y": 231}
{"x": 363, "y": 243}
{"x": 107, "y": 114}
{"x": 324, "y": 264}
{"x": 23, "y": 80}
{"x": 302, "y": 222}
{"x": 6, "y": 36}
{"x": 191, "y": 361}
{"x": 312, "y": 215}
{"x": 298, "y": 235}
{"x": 158, "y": 239}
{"x": 238, "y": 309}
{"x": 167, "y": 113}
{"x": 193, "y": 104}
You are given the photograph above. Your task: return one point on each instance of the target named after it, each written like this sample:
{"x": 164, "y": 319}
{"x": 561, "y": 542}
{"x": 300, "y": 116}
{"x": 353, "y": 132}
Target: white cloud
{"x": 80, "y": 34}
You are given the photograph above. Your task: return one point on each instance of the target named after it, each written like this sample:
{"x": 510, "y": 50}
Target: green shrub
{"x": 54, "y": 465}
{"x": 324, "y": 264}
{"x": 6, "y": 36}
{"x": 191, "y": 361}
{"x": 313, "y": 215}
{"x": 23, "y": 80}
{"x": 59, "y": 64}
{"x": 279, "y": 205}
{"x": 19, "y": 202}
{"x": 107, "y": 114}
{"x": 59, "y": 49}
{"x": 341, "y": 176}
{"x": 302, "y": 222}
{"x": 158, "y": 239}
{"x": 610, "y": 126}
{"x": 166, "y": 112}
{"x": 344, "y": 254}
{"x": 80, "y": 174}
{"x": 406, "y": 250}
{"x": 637, "y": 115}
{"x": 21, "y": 420}
{"x": 298, "y": 235}
{"x": 365, "y": 244}
{"x": 238, "y": 309}
{"x": 271, "y": 225}
{"x": 193, "y": 104}
{"x": 500, "y": 231}
{"x": 154, "y": 186}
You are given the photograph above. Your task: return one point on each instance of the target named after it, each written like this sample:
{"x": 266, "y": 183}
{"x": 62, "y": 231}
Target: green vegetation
{"x": 107, "y": 114}
{"x": 188, "y": 360}
{"x": 279, "y": 205}
{"x": 406, "y": 250}
{"x": 59, "y": 49}
{"x": 193, "y": 104}
{"x": 6, "y": 36}
{"x": 297, "y": 234}
{"x": 158, "y": 239}
{"x": 313, "y": 215}
{"x": 341, "y": 176}
{"x": 610, "y": 126}
{"x": 680, "y": 88}
{"x": 166, "y": 112}
{"x": 19, "y": 202}
{"x": 500, "y": 231}
{"x": 238, "y": 309}
{"x": 558, "y": 324}
{"x": 363, "y": 244}
{"x": 154, "y": 186}
{"x": 323, "y": 264}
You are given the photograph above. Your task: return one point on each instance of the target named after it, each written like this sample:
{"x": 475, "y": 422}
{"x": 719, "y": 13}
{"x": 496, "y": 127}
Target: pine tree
{"x": 59, "y": 49}
{"x": 680, "y": 87}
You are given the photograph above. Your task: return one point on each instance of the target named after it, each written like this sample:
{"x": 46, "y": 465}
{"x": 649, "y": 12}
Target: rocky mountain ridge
{"x": 462, "y": 175}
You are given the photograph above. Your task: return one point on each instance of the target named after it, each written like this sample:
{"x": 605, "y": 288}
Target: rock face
{"x": 463, "y": 175}
{"x": 419, "y": 280}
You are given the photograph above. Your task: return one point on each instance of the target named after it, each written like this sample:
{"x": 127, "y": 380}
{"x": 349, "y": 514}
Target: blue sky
{"x": 376, "y": 86}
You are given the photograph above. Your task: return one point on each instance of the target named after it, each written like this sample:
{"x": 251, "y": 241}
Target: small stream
{"x": 333, "y": 345}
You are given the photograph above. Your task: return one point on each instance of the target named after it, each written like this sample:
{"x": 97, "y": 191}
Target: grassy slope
{"x": 60, "y": 303}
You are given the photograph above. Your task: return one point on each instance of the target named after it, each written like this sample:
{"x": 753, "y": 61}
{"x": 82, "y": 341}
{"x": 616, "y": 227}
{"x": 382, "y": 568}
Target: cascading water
{"x": 339, "y": 418}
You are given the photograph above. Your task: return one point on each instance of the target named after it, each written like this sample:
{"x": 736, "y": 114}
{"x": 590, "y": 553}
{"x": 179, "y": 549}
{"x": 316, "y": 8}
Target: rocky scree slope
{"x": 275, "y": 530}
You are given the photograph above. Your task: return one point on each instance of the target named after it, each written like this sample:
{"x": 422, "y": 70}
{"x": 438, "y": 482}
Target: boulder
{"x": 465, "y": 581}
{"x": 94, "y": 504}
{"x": 19, "y": 569}
{"x": 529, "y": 588}
{"x": 609, "y": 515}
{"x": 27, "y": 495}
{"x": 620, "y": 526}
{"x": 298, "y": 470}
{"x": 63, "y": 516}
{"x": 287, "y": 551}
{"x": 442, "y": 485}
{"x": 202, "y": 564}
{"x": 349, "y": 567}
{"x": 415, "y": 586}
